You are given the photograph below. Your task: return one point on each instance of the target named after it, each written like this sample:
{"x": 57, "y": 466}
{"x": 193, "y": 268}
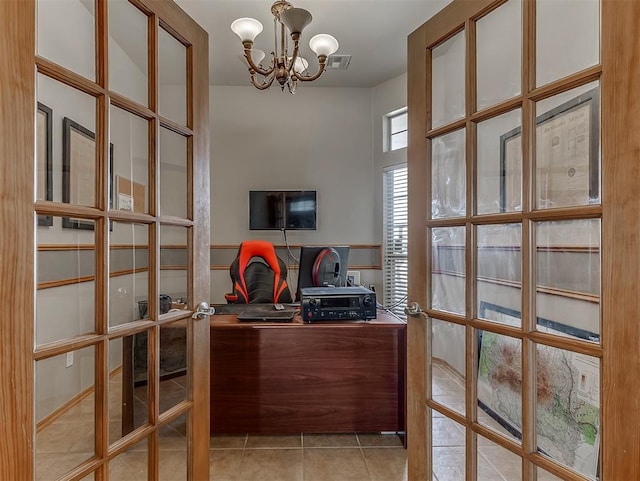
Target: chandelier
{"x": 287, "y": 67}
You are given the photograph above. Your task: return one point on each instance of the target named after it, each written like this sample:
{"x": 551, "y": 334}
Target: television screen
{"x": 266, "y": 210}
{"x": 300, "y": 209}
{"x": 288, "y": 209}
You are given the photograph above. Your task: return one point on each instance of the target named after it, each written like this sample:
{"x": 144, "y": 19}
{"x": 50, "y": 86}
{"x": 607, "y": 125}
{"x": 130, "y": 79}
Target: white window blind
{"x": 395, "y": 263}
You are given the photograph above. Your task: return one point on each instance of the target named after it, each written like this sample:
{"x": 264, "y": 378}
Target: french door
{"x": 524, "y": 246}
{"x": 105, "y": 241}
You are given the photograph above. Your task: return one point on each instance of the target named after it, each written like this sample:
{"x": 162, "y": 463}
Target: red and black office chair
{"x": 258, "y": 275}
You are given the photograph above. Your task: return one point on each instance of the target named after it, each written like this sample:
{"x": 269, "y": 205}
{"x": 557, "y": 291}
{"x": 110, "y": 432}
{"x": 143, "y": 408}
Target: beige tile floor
{"x": 341, "y": 457}
{"x": 495, "y": 463}
{"x": 306, "y": 457}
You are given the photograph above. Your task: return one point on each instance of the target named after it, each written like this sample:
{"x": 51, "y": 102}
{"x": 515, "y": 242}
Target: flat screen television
{"x": 282, "y": 209}
{"x": 322, "y": 266}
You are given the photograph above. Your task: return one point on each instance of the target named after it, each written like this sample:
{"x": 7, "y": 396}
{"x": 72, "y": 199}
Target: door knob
{"x": 203, "y": 310}
{"x": 413, "y": 309}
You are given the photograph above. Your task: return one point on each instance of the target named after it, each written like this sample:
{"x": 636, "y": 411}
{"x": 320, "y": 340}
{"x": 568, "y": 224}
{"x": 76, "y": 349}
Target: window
{"x": 395, "y": 264}
{"x": 397, "y": 130}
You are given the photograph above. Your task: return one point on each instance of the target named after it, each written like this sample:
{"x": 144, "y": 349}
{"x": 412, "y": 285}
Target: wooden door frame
{"x": 453, "y": 16}
{"x": 198, "y": 121}
{"x": 620, "y": 239}
{"x": 618, "y": 73}
{"x": 17, "y": 151}
{"x": 17, "y": 223}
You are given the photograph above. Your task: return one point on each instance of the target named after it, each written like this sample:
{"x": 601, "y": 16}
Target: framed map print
{"x": 567, "y": 399}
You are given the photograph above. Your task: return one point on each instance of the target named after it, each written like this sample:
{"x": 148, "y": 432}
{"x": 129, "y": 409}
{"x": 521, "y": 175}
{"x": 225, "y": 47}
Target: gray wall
{"x": 319, "y": 139}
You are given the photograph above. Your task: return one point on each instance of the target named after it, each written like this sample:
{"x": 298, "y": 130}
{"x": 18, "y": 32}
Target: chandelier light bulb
{"x": 246, "y": 28}
{"x": 323, "y": 44}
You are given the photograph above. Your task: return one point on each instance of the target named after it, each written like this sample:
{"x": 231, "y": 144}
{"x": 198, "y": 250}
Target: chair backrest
{"x": 258, "y": 275}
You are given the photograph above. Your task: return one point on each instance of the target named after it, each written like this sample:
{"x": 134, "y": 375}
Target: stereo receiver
{"x": 337, "y": 303}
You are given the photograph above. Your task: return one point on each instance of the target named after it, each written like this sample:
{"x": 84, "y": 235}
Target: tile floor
{"x": 306, "y": 457}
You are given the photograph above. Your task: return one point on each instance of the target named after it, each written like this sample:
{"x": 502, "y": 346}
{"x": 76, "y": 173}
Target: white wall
{"x": 318, "y": 139}
{"x": 386, "y": 98}
{"x": 330, "y": 140}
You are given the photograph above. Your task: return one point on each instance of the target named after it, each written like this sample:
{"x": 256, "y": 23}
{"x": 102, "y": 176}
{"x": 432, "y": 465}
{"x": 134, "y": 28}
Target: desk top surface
{"x": 227, "y": 316}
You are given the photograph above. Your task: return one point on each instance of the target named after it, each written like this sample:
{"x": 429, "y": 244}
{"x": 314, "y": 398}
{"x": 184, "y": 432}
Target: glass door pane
{"x": 499, "y": 273}
{"x": 448, "y": 175}
{"x": 499, "y": 54}
{"x": 128, "y": 52}
{"x": 173, "y": 173}
{"x": 497, "y": 463}
{"x": 449, "y": 269}
{"x": 70, "y": 146}
{"x": 65, "y": 298}
{"x": 130, "y": 137}
{"x": 568, "y": 278}
{"x": 448, "y": 370}
{"x": 568, "y": 148}
{"x": 173, "y": 450}
{"x": 172, "y": 78}
{"x": 132, "y": 464}
{"x": 448, "y": 81}
{"x": 568, "y": 409}
{"x": 449, "y": 461}
{"x": 65, "y": 412}
{"x": 73, "y": 48}
{"x": 129, "y": 273}
{"x": 500, "y": 384}
{"x": 567, "y": 37}
{"x": 499, "y": 164}
{"x": 128, "y": 384}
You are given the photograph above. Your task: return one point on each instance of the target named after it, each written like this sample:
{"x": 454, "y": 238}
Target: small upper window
{"x": 397, "y": 130}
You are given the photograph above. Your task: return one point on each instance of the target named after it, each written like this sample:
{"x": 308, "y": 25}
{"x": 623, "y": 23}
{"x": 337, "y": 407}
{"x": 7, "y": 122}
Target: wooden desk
{"x": 323, "y": 377}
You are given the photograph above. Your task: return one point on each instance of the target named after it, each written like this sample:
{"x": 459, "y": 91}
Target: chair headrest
{"x": 258, "y": 248}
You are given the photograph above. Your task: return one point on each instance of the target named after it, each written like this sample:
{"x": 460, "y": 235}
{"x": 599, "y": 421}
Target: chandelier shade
{"x": 246, "y": 28}
{"x": 323, "y": 44}
{"x": 295, "y": 19}
{"x": 258, "y": 55}
{"x": 286, "y": 65}
{"x": 300, "y": 65}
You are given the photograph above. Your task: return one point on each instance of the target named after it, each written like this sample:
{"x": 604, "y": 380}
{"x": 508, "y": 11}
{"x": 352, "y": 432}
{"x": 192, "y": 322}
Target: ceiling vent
{"x": 338, "y": 62}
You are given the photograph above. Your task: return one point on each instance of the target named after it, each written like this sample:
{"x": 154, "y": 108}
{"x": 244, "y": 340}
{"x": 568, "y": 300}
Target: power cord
{"x": 290, "y": 256}
{"x": 286, "y": 243}
{"x": 393, "y": 306}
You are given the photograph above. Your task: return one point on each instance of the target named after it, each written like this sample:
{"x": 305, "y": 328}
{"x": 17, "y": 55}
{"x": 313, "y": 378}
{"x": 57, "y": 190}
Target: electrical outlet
{"x": 69, "y": 359}
{"x": 353, "y": 278}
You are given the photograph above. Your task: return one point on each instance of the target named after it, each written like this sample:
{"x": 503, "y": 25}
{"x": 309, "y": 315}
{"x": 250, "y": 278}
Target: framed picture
{"x": 567, "y": 391}
{"x": 567, "y": 159}
{"x": 79, "y": 170}
{"x": 44, "y": 153}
